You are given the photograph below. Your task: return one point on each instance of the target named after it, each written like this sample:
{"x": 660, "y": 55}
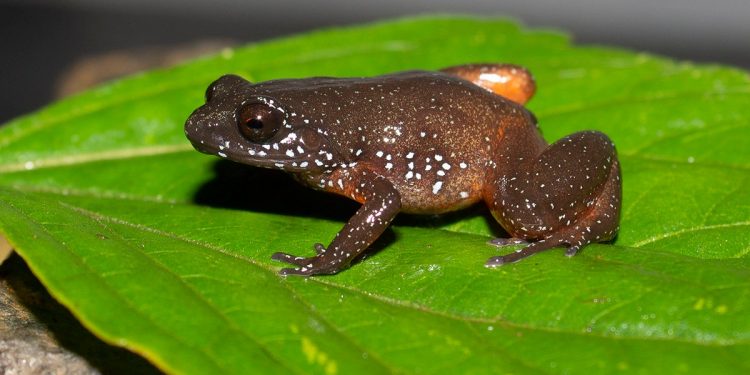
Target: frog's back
{"x": 430, "y": 133}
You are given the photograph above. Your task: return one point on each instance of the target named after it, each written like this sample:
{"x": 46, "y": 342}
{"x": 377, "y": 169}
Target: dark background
{"x": 43, "y": 38}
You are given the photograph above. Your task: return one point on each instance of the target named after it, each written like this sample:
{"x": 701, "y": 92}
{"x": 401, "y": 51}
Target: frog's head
{"x": 244, "y": 123}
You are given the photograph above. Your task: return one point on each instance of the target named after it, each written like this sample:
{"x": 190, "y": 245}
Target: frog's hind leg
{"x": 510, "y": 81}
{"x": 570, "y": 197}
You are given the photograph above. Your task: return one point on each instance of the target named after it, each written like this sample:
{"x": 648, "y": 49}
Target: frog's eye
{"x": 259, "y": 122}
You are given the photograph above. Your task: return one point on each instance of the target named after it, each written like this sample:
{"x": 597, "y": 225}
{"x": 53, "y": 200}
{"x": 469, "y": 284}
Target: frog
{"x": 418, "y": 142}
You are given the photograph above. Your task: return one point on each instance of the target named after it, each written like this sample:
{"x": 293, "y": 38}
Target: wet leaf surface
{"x": 165, "y": 251}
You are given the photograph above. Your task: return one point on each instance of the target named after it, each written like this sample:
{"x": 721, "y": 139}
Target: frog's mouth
{"x": 255, "y": 155}
{"x": 274, "y": 155}
{"x": 294, "y": 149}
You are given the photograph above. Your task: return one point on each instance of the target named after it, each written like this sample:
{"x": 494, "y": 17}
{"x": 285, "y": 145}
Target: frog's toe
{"x": 529, "y": 250}
{"x": 509, "y": 258}
{"x": 494, "y": 262}
{"x": 319, "y": 248}
{"x": 300, "y": 261}
{"x": 499, "y": 242}
{"x": 305, "y": 266}
{"x": 316, "y": 265}
{"x": 291, "y": 259}
{"x": 573, "y": 250}
{"x": 302, "y": 271}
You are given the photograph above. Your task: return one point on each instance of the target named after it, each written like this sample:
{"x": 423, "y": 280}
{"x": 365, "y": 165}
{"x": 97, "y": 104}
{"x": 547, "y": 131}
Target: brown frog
{"x": 418, "y": 142}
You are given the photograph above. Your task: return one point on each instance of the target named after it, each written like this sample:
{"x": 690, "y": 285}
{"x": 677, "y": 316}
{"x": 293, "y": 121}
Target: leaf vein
{"x": 198, "y": 296}
{"x": 231, "y": 255}
{"x": 689, "y": 230}
{"x": 83, "y": 158}
{"x": 104, "y": 283}
{"x": 621, "y": 101}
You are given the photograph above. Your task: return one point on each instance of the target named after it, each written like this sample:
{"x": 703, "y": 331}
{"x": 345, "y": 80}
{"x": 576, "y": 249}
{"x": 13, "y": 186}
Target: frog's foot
{"x": 529, "y": 250}
{"x": 592, "y": 228}
{"x": 380, "y": 204}
{"x": 500, "y": 242}
{"x": 307, "y": 266}
{"x": 571, "y": 251}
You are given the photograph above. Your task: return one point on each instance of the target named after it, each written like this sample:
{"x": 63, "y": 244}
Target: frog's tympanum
{"x": 418, "y": 142}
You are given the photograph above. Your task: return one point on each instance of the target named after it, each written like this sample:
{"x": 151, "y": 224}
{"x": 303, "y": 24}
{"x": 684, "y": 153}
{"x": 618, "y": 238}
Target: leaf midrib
{"x": 156, "y": 200}
{"x": 387, "y": 300}
{"x": 66, "y": 192}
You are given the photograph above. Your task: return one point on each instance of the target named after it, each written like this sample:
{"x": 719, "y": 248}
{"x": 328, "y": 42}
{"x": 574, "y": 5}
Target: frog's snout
{"x": 201, "y": 130}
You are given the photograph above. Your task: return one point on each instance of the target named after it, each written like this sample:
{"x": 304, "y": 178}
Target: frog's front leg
{"x": 380, "y": 204}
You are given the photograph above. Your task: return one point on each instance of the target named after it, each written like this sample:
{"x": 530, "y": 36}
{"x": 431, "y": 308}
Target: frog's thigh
{"x": 588, "y": 186}
{"x": 572, "y": 197}
{"x": 574, "y": 178}
{"x": 511, "y": 81}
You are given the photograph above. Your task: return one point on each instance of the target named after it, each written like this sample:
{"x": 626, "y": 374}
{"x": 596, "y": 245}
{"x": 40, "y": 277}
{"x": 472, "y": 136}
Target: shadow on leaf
{"x": 242, "y": 187}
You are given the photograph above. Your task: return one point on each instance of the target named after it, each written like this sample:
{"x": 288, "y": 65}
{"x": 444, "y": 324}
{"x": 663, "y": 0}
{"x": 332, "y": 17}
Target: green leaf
{"x": 165, "y": 251}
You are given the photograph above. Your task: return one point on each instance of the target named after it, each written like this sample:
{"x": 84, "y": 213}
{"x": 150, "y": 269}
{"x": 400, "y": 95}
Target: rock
{"x": 40, "y": 336}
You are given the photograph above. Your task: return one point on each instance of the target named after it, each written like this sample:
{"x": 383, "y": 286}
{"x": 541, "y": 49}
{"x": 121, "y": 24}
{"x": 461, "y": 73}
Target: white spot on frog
{"x": 436, "y": 187}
